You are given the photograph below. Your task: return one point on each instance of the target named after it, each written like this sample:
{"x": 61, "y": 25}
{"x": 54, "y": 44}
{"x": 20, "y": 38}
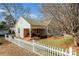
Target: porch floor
{"x": 28, "y": 38}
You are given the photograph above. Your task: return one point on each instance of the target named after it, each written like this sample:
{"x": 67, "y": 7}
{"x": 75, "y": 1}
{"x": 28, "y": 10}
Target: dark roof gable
{"x": 36, "y": 22}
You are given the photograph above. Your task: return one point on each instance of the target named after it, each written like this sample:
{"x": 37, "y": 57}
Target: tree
{"x": 66, "y": 17}
{"x": 2, "y": 25}
{"x": 12, "y": 11}
{"x": 9, "y": 21}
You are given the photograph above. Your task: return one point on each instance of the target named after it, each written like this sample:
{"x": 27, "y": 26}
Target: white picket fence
{"x": 40, "y": 49}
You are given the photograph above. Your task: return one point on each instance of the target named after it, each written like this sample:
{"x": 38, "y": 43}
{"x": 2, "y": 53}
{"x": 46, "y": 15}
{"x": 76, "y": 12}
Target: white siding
{"x": 21, "y": 24}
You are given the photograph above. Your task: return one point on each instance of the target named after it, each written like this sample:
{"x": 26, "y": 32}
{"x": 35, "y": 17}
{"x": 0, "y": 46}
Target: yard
{"x": 9, "y": 49}
{"x": 59, "y": 42}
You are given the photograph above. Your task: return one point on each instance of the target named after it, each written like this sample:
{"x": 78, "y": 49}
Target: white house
{"x": 28, "y": 28}
{"x": 20, "y": 26}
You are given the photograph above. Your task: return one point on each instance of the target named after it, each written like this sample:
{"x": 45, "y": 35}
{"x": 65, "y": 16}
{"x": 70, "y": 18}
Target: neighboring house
{"x": 3, "y": 32}
{"x": 26, "y": 27}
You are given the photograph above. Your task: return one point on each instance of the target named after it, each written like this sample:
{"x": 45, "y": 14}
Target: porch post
{"x": 47, "y": 31}
{"x": 30, "y": 32}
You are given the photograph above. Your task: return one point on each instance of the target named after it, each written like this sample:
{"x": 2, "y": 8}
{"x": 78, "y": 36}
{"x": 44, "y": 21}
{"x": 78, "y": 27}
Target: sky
{"x": 34, "y": 7}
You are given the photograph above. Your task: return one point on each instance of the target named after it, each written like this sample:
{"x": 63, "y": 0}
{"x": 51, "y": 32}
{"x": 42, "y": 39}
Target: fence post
{"x": 33, "y": 46}
{"x": 62, "y": 51}
{"x": 70, "y": 51}
{"x": 5, "y": 36}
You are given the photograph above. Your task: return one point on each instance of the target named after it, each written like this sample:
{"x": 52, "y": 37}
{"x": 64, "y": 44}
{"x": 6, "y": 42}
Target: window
{"x": 18, "y": 30}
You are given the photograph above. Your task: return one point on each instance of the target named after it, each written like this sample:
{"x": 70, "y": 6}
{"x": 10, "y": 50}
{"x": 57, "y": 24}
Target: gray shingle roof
{"x": 37, "y": 22}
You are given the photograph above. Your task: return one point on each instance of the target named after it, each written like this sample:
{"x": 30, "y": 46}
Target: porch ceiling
{"x": 38, "y": 26}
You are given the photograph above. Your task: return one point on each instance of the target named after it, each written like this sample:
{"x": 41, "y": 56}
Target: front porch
{"x": 40, "y": 32}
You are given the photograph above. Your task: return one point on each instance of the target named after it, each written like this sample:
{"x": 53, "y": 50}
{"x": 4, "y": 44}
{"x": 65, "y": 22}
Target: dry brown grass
{"x": 9, "y": 49}
{"x": 55, "y": 38}
{"x": 64, "y": 42}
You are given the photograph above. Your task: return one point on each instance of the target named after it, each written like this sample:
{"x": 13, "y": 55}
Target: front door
{"x": 26, "y": 32}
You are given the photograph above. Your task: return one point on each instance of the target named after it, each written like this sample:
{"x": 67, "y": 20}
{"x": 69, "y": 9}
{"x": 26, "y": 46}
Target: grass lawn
{"x": 58, "y": 42}
{"x": 64, "y": 43}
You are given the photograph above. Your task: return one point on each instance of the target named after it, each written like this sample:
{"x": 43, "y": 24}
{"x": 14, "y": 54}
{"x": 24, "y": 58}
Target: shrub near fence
{"x": 40, "y": 49}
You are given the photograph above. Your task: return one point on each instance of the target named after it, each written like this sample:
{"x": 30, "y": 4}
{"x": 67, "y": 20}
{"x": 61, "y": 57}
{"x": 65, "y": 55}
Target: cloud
{"x": 33, "y": 16}
{"x": 1, "y": 10}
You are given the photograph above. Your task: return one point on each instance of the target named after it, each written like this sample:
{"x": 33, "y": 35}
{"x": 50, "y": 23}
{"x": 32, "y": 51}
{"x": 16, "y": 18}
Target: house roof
{"x": 38, "y": 23}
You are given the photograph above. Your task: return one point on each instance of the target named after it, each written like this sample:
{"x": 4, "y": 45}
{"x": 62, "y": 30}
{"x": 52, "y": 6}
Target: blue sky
{"x": 34, "y": 7}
